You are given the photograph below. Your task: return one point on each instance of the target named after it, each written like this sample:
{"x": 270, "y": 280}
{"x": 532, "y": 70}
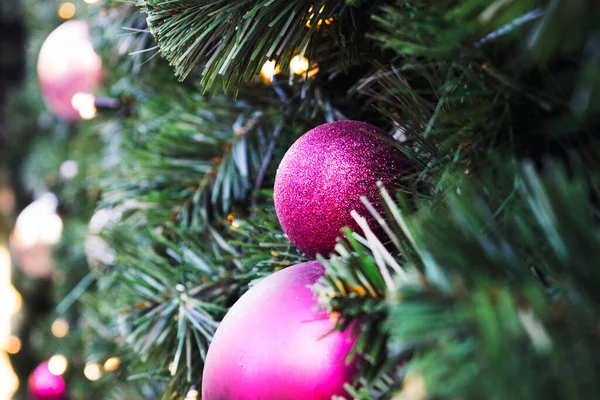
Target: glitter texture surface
{"x": 322, "y": 177}
{"x": 272, "y": 344}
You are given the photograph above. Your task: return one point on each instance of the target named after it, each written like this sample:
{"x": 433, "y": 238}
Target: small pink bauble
{"x": 322, "y": 177}
{"x": 271, "y": 344}
{"x": 67, "y": 65}
{"x": 43, "y": 385}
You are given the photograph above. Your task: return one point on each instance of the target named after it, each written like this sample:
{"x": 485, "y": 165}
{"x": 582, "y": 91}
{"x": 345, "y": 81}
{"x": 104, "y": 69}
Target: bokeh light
{"x": 57, "y": 364}
{"x": 60, "y": 328}
{"x": 67, "y": 10}
{"x": 93, "y": 372}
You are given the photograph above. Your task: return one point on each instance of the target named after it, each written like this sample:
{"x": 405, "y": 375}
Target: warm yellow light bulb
{"x": 269, "y": 70}
{"x": 66, "y": 10}
{"x": 57, "y": 364}
{"x": 60, "y": 328}
{"x": 91, "y": 1}
{"x": 81, "y": 100}
{"x": 299, "y": 64}
{"x": 112, "y": 364}
{"x": 87, "y": 113}
{"x": 192, "y": 395}
{"x": 14, "y": 345}
{"x": 235, "y": 224}
{"x": 92, "y": 371}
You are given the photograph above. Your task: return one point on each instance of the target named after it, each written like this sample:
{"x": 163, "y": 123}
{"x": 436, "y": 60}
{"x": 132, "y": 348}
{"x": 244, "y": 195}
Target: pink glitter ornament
{"x": 67, "y": 65}
{"x": 43, "y": 385}
{"x": 322, "y": 177}
{"x": 271, "y": 344}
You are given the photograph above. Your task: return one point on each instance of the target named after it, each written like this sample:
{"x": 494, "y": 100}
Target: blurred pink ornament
{"x": 68, "y": 65}
{"x": 273, "y": 344}
{"x": 37, "y": 229}
{"x": 43, "y": 385}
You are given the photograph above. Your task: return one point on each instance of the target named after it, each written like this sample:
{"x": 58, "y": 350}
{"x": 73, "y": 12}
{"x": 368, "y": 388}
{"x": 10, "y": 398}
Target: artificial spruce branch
{"x": 232, "y": 41}
{"x": 466, "y": 308}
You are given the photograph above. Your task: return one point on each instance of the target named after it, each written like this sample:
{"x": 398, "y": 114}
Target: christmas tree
{"x": 302, "y": 199}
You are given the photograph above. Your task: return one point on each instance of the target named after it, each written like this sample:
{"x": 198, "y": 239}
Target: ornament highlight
{"x": 323, "y": 176}
{"x": 274, "y": 345}
{"x": 68, "y": 65}
{"x": 44, "y": 385}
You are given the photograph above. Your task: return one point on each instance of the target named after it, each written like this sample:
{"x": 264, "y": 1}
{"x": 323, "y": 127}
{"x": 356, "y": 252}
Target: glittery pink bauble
{"x": 271, "y": 344}
{"x": 67, "y": 65}
{"x": 322, "y": 177}
{"x": 43, "y": 385}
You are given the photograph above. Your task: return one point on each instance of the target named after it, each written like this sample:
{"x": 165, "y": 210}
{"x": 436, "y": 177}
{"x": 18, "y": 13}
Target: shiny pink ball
{"x": 322, "y": 177}
{"x": 43, "y": 385}
{"x": 271, "y": 344}
{"x": 67, "y": 65}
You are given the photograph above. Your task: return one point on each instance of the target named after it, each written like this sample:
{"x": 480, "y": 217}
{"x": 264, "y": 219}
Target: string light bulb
{"x": 269, "y": 70}
{"x": 91, "y": 1}
{"x": 192, "y": 395}
{"x": 57, "y": 364}
{"x": 92, "y": 372}
{"x": 320, "y": 21}
{"x": 82, "y": 100}
{"x": 66, "y": 10}
{"x": 60, "y": 328}
{"x": 112, "y": 364}
{"x": 85, "y": 104}
{"x": 299, "y": 64}
{"x": 14, "y": 345}
{"x": 88, "y": 113}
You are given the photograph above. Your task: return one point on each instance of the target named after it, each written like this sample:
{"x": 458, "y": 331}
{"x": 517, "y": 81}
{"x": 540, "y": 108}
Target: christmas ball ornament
{"x": 67, "y": 65}
{"x": 322, "y": 177}
{"x": 272, "y": 344}
{"x": 43, "y": 385}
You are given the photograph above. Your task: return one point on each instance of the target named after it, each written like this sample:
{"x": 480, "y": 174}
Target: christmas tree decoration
{"x": 67, "y": 66}
{"x": 273, "y": 344}
{"x": 37, "y": 229}
{"x": 44, "y": 385}
{"x": 323, "y": 176}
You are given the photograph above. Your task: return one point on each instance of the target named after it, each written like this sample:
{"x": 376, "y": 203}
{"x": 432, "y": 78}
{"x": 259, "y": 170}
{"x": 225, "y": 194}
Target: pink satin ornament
{"x": 67, "y": 64}
{"x": 43, "y": 385}
{"x": 272, "y": 344}
{"x": 323, "y": 176}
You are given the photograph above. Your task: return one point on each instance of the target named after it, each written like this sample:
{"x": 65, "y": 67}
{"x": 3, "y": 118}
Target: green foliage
{"x": 486, "y": 309}
{"x": 233, "y": 41}
{"x": 482, "y": 284}
{"x": 198, "y": 158}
